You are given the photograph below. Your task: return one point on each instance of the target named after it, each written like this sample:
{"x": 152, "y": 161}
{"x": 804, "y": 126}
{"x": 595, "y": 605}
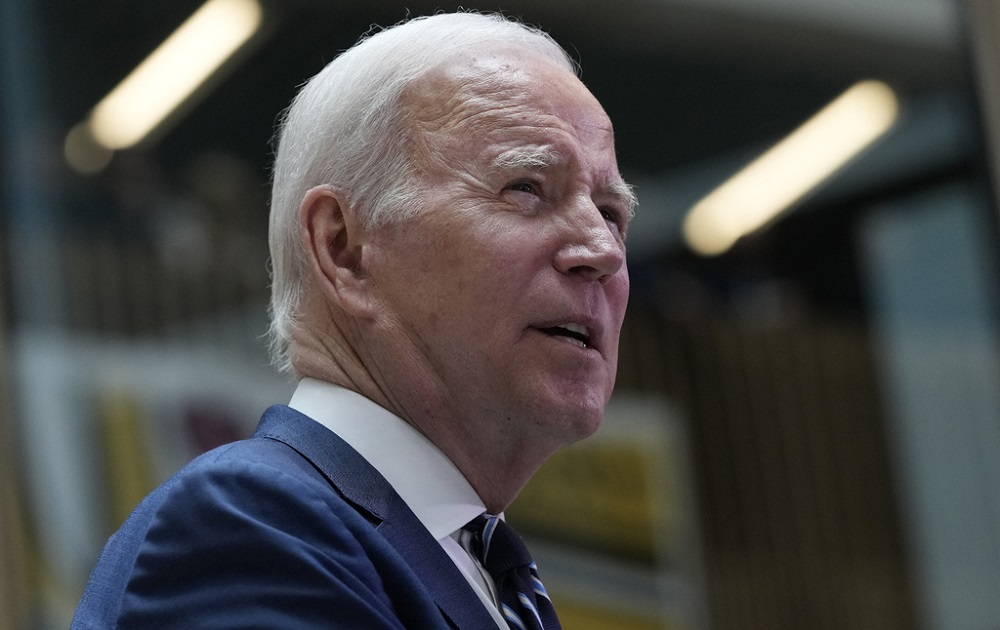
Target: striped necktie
{"x": 523, "y": 600}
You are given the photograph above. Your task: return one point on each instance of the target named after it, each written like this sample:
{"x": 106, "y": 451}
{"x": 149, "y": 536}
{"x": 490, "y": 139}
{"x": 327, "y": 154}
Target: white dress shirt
{"x": 439, "y": 495}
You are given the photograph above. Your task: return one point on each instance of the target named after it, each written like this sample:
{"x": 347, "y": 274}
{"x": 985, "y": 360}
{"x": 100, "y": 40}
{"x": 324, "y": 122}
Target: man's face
{"x": 504, "y": 295}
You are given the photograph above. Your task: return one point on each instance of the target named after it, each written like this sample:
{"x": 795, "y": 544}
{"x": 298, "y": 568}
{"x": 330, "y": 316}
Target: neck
{"x": 497, "y": 462}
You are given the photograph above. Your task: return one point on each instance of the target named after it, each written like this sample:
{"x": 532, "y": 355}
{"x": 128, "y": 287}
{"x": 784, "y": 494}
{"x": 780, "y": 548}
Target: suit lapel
{"x": 360, "y": 484}
{"x": 447, "y": 585}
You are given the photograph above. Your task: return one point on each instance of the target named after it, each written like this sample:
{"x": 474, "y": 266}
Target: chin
{"x": 581, "y": 421}
{"x": 571, "y": 412}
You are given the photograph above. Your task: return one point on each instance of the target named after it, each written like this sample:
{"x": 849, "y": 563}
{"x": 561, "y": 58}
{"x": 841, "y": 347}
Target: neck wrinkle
{"x": 496, "y": 470}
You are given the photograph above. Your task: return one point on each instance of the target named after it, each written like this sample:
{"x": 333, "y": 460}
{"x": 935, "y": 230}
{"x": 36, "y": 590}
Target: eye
{"x": 525, "y": 186}
{"x": 613, "y": 216}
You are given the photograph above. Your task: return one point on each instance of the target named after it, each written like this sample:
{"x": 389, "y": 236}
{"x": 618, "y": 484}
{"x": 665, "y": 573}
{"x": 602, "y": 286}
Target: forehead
{"x": 489, "y": 104}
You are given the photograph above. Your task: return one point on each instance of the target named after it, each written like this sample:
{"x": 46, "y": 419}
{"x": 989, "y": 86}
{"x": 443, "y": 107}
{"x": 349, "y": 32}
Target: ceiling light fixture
{"x": 775, "y": 181}
{"x": 168, "y": 77}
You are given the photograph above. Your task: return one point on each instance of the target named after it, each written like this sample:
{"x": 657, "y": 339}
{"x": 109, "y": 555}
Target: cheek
{"x": 619, "y": 291}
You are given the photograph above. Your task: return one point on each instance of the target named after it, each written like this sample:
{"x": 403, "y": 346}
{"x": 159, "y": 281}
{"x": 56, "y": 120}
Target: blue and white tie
{"x": 523, "y": 600}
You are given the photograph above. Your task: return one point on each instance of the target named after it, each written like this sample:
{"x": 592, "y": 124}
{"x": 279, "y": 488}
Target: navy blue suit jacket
{"x": 289, "y": 529}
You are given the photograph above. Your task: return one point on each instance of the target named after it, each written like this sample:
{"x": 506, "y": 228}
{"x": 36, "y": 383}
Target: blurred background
{"x": 806, "y": 429}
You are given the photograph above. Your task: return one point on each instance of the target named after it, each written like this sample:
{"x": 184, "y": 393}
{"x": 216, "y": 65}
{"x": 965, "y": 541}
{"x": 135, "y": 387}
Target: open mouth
{"x": 574, "y": 333}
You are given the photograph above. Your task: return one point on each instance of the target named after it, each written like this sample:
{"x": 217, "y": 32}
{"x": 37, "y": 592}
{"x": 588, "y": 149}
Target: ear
{"x": 333, "y": 243}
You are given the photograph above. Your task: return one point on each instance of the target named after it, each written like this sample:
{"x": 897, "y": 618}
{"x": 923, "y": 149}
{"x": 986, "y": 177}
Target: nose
{"x": 592, "y": 248}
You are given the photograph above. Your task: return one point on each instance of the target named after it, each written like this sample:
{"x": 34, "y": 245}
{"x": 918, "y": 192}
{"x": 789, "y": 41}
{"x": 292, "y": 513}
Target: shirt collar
{"x": 428, "y": 482}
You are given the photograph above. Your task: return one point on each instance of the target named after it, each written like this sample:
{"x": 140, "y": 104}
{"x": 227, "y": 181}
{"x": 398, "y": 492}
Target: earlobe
{"x": 332, "y": 239}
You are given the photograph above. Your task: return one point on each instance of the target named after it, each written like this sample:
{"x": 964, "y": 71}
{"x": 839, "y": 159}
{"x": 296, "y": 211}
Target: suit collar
{"x": 361, "y": 485}
{"x": 440, "y": 496}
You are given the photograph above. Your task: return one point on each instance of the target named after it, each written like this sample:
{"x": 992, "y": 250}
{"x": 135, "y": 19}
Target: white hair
{"x": 345, "y": 128}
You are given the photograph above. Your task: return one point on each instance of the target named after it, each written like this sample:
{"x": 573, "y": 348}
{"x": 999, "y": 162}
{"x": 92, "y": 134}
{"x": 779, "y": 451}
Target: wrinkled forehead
{"x": 487, "y": 115}
{"x": 508, "y": 83}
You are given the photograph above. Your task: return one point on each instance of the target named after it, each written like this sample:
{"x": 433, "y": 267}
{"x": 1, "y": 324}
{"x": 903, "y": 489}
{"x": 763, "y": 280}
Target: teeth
{"x": 579, "y": 335}
{"x": 577, "y": 328}
{"x": 576, "y": 334}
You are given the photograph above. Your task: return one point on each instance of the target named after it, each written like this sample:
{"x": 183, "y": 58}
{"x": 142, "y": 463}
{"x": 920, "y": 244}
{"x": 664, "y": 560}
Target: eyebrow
{"x": 536, "y": 158}
{"x": 626, "y": 196}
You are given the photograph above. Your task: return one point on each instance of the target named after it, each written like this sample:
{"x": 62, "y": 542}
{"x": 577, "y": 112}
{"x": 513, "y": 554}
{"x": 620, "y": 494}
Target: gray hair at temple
{"x": 345, "y": 128}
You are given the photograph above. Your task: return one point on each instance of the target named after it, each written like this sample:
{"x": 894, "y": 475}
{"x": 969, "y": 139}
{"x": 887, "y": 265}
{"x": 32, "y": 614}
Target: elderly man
{"x": 449, "y": 282}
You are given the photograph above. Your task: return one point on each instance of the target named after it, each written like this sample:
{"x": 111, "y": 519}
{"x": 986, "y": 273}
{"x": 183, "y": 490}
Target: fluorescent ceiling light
{"x": 798, "y": 164}
{"x": 165, "y": 79}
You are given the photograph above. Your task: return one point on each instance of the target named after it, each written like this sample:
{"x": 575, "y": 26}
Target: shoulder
{"x": 243, "y": 485}
{"x": 251, "y": 528}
